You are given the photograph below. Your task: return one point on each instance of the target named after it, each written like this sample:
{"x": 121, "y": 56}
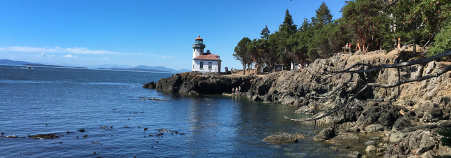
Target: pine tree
{"x": 288, "y": 25}
{"x": 241, "y": 53}
{"x": 320, "y": 45}
{"x": 265, "y": 32}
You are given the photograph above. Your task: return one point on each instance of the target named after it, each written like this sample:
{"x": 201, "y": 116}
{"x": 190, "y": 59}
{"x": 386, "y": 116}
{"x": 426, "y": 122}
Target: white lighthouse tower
{"x": 204, "y": 62}
{"x": 198, "y": 47}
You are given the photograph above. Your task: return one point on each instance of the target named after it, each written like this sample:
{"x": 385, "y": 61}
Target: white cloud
{"x": 75, "y": 50}
{"x": 107, "y": 58}
{"x": 69, "y": 56}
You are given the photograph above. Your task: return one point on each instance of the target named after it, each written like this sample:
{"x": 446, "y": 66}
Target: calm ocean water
{"x": 74, "y": 99}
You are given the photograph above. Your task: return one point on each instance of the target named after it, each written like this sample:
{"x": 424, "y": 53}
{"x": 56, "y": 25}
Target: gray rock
{"x": 401, "y": 123}
{"x": 304, "y": 110}
{"x": 325, "y": 134}
{"x": 395, "y": 137}
{"x": 374, "y": 128}
{"x": 370, "y": 143}
{"x": 355, "y": 154}
{"x": 416, "y": 142}
{"x": 371, "y": 149}
{"x": 345, "y": 137}
{"x": 283, "y": 138}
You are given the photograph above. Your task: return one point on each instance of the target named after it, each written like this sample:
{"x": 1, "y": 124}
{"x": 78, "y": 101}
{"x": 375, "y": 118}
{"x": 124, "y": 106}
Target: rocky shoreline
{"x": 404, "y": 121}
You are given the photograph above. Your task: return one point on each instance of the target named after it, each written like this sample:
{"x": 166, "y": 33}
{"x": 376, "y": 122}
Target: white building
{"x": 204, "y": 62}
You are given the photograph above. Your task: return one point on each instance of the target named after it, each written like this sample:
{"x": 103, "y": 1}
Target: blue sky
{"x": 134, "y": 32}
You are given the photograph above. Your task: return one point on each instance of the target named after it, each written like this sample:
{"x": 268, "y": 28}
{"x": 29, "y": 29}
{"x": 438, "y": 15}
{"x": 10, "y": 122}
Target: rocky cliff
{"x": 412, "y": 112}
{"x": 196, "y": 83}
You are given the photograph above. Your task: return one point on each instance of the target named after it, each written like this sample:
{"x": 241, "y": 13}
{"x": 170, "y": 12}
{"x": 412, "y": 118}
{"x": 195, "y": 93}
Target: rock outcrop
{"x": 283, "y": 138}
{"x": 196, "y": 83}
{"x": 400, "y": 113}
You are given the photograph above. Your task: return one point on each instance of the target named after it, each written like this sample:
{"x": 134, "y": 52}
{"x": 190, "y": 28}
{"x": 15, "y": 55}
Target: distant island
{"x": 158, "y": 69}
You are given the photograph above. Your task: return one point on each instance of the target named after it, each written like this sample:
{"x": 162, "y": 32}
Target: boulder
{"x": 374, "y": 128}
{"x": 355, "y": 154}
{"x": 283, "y": 138}
{"x": 395, "y": 137}
{"x": 304, "y": 110}
{"x": 345, "y": 138}
{"x": 416, "y": 142}
{"x": 150, "y": 85}
{"x": 401, "y": 123}
{"x": 325, "y": 134}
{"x": 371, "y": 149}
{"x": 370, "y": 143}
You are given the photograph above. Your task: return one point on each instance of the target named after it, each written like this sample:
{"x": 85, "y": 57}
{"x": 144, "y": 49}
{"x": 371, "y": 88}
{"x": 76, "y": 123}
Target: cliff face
{"x": 196, "y": 83}
{"x": 392, "y": 112}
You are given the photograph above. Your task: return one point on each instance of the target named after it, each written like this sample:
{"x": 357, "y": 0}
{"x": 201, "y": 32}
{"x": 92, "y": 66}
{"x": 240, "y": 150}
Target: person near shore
{"x": 233, "y": 90}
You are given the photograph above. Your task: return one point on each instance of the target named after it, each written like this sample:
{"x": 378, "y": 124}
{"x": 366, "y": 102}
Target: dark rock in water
{"x": 44, "y": 136}
{"x": 325, "y": 134}
{"x": 81, "y": 130}
{"x": 153, "y": 98}
{"x": 283, "y": 138}
{"x": 150, "y": 85}
{"x": 13, "y": 136}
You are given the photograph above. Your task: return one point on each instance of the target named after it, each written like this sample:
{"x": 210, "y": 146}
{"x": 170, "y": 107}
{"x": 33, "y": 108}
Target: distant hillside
{"x": 12, "y": 62}
{"x": 104, "y": 66}
{"x": 159, "y": 68}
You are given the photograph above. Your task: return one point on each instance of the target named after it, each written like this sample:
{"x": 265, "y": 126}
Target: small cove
{"x": 74, "y": 99}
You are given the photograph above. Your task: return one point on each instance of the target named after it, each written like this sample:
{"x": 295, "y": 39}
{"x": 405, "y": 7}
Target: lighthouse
{"x": 204, "y": 62}
{"x": 198, "y": 47}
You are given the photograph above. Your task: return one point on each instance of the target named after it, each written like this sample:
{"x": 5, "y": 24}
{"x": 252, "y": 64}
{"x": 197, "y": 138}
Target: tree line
{"x": 365, "y": 24}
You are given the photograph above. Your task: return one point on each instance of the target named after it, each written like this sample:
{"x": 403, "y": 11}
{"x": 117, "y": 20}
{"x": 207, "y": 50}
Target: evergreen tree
{"x": 320, "y": 45}
{"x": 442, "y": 40}
{"x": 270, "y": 56}
{"x": 241, "y": 53}
{"x": 265, "y": 33}
{"x": 288, "y": 25}
{"x": 303, "y": 37}
{"x": 285, "y": 44}
{"x": 323, "y": 16}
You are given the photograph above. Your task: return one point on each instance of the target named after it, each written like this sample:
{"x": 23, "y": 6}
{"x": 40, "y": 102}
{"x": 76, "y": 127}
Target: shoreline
{"x": 415, "y": 112}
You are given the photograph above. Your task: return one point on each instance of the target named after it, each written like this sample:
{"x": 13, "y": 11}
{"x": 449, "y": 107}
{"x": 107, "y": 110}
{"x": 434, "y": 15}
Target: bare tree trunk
{"x": 360, "y": 69}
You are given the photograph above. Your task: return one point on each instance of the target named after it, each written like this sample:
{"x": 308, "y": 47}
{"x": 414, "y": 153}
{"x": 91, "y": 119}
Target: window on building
{"x": 201, "y": 65}
{"x": 210, "y": 65}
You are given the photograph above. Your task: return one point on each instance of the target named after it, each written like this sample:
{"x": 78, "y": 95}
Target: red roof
{"x": 207, "y": 57}
{"x": 200, "y": 39}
